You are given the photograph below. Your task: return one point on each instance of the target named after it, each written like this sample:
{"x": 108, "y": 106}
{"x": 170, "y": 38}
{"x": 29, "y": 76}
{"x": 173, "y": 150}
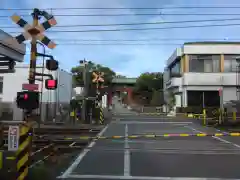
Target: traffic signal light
{"x": 28, "y": 100}
{"x": 51, "y": 84}
{"x": 51, "y": 64}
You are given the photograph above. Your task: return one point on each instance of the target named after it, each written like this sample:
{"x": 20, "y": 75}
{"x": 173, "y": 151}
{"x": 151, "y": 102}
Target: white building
{"x": 50, "y": 100}
{"x": 197, "y": 71}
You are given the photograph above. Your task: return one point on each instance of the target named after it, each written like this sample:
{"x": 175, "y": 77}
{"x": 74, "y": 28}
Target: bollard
{"x": 204, "y": 117}
{"x": 23, "y": 152}
{"x": 234, "y": 116}
{"x": 101, "y": 116}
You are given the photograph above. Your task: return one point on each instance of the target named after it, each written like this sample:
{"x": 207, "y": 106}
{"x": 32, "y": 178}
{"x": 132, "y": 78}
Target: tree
{"x": 149, "y": 82}
{"x": 157, "y": 98}
{"x": 78, "y": 73}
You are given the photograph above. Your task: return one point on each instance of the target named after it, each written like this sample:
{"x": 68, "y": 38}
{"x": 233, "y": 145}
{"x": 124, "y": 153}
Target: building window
{"x": 204, "y": 63}
{"x": 230, "y": 63}
{"x": 175, "y": 69}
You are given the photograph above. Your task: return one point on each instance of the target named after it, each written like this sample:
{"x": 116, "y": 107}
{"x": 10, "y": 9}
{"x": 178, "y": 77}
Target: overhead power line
{"x": 140, "y": 23}
{"x": 138, "y": 14}
{"x": 119, "y": 44}
{"x": 126, "y": 8}
{"x": 139, "y": 29}
{"x": 142, "y": 40}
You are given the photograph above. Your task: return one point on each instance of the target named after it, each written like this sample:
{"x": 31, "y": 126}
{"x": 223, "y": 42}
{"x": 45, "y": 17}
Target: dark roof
{"x": 212, "y": 42}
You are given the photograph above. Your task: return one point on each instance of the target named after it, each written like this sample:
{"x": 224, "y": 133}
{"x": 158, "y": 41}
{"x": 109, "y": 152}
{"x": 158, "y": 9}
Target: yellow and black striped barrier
{"x": 155, "y": 136}
{"x": 101, "y": 115}
{"x": 23, "y": 152}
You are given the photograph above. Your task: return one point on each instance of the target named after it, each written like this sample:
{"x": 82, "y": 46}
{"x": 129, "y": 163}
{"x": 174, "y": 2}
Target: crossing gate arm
{"x": 153, "y": 136}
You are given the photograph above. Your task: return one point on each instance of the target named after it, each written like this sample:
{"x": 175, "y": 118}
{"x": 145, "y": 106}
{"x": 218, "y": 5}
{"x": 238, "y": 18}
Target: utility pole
{"x": 86, "y": 87}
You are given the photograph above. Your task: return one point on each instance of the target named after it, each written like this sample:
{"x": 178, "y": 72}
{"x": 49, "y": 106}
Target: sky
{"x": 130, "y": 58}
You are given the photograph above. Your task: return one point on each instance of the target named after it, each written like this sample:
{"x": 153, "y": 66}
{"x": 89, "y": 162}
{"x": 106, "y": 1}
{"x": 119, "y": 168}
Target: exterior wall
{"x": 211, "y": 49}
{"x": 207, "y": 79}
{"x": 177, "y": 53}
{"x": 202, "y": 81}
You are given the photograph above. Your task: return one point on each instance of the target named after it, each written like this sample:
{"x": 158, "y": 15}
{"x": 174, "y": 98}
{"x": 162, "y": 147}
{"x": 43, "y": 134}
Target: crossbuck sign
{"x": 34, "y": 31}
{"x": 98, "y": 77}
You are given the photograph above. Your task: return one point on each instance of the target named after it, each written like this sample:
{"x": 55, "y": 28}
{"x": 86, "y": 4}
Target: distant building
{"x": 10, "y": 84}
{"x": 196, "y": 73}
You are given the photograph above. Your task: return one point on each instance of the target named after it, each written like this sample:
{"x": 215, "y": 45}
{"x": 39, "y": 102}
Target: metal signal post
{"x": 98, "y": 77}
{"x": 32, "y": 68}
{"x": 34, "y": 32}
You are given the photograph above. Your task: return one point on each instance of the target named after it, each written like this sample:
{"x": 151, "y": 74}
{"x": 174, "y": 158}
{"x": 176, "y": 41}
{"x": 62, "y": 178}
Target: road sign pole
{"x": 85, "y": 70}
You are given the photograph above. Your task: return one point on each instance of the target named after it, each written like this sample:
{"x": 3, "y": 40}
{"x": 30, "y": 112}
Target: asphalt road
{"x": 162, "y": 158}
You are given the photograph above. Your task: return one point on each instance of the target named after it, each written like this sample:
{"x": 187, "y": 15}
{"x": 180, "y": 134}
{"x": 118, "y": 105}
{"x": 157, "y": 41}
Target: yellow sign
{"x": 98, "y": 77}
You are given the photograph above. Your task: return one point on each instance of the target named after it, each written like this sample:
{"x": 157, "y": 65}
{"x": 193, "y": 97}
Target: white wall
{"x": 64, "y": 86}
{"x": 203, "y": 79}
{"x": 229, "y": 93}
{"x": 211, "y": 49}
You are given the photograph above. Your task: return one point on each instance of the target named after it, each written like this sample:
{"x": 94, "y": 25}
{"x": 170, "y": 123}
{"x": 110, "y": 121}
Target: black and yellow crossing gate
{"x": 23, "y": 153}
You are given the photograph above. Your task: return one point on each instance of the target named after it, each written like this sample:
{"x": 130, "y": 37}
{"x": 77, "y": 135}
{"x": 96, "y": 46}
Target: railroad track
{"x": 48, "y": 143}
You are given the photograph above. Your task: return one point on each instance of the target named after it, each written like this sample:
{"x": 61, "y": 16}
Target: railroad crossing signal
{"x": 98, "y": 77}
{"x": 34, "y": 31}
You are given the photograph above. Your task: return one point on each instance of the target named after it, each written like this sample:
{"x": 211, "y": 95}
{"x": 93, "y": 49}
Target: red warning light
{"x": 25, "y": 96}
{"x": 51, "y": 84}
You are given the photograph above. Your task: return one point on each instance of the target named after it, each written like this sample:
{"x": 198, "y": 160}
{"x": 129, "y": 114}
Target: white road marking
{"x": 81, "y": 156}
{"x": 139, "y": 177}
{"x": 71, "y": 145}
{"x": 126, "y": 154}
{"x": 215, "y": 137}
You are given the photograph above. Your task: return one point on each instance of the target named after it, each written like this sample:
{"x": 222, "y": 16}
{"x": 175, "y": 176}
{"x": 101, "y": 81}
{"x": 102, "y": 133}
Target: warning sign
{"x": 13, "y": 137}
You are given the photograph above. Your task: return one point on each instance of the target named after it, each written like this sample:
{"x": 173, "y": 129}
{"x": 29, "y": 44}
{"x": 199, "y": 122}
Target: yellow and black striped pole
{"x": 23, "y": 152}
{"x": 101, "y": 116}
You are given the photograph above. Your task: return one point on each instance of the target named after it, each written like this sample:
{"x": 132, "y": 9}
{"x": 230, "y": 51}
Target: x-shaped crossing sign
{"x": 34, "y": 31}
{"x": 98, "y": 77}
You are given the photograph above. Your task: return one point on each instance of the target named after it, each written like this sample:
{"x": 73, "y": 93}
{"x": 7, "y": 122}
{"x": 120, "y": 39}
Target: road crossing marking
{"x": 81, "y": 156}
{"x": 218, "y": 138}
{"x": 127, "y": 163}
{"x": 78, "y": 176}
